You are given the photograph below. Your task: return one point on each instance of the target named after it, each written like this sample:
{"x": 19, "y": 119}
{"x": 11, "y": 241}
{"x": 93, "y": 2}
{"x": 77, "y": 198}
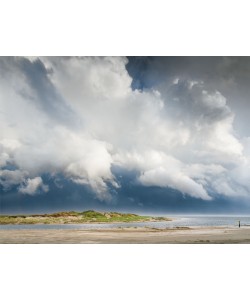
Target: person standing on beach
{"x": 239, "y": 224}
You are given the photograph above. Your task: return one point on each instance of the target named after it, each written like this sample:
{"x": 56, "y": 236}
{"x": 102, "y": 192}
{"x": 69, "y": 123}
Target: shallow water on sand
{"x": 211, "y": 220}
{"x": 178, "y": 221}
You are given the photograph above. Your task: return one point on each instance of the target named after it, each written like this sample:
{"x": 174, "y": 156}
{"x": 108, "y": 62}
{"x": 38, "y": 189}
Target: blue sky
{"x": 144, "y": 134}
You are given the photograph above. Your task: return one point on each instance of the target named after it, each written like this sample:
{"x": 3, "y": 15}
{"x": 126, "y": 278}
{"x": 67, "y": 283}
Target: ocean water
{"x": 178, "y": 221}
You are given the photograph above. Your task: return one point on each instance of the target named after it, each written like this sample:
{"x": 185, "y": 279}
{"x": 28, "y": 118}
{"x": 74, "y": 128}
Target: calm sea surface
{"x": 178, "y": 221}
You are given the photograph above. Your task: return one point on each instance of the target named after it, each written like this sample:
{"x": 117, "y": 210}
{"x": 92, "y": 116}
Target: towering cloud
{"x": 80, "y": 116}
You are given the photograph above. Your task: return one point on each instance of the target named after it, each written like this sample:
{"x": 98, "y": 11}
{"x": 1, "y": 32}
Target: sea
{"x": 177, "y": 221}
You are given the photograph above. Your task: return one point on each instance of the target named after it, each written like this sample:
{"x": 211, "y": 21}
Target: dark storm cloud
{"x": 228, "y": 75}
{"x": 213, "y": 70}
{"x": 131, "y": 197}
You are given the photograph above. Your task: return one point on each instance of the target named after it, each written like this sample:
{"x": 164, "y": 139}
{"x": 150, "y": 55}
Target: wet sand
{"x": 190, "y": 235}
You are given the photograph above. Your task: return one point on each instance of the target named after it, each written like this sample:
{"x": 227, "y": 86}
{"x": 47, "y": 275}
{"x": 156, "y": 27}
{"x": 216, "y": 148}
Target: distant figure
{"x": 239, "y": 224}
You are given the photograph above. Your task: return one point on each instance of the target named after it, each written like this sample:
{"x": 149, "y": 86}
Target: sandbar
{"x": 182, "y": 235}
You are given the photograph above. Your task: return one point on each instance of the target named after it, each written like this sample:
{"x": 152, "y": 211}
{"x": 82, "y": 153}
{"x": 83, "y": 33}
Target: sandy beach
{"x": 207, "y": 235}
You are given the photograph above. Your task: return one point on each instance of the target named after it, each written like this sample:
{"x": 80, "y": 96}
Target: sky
{"x": 143, "y": 134}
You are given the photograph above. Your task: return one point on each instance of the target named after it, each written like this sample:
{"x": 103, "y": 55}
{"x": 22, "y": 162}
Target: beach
{"x": 186, "y": 235}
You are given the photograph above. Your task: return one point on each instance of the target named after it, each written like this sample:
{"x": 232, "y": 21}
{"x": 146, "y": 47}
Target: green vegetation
{"x": 73, "y": 217}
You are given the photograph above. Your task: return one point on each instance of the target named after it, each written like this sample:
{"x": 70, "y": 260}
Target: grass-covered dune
{"x": 73, "y": 217}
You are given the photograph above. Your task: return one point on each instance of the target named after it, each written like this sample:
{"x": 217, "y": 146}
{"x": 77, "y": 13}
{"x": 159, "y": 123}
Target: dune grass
{"x": 73, "y": 217}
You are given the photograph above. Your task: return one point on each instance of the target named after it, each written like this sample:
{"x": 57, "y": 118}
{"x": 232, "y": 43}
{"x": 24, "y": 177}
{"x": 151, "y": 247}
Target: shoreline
{"x": 139, "y": 235}
{"x": 90, "y": 222}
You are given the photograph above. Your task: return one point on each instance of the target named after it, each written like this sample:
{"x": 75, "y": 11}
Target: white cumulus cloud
{"x": 79, "y": 117}
{"x": 33, "y": 186}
